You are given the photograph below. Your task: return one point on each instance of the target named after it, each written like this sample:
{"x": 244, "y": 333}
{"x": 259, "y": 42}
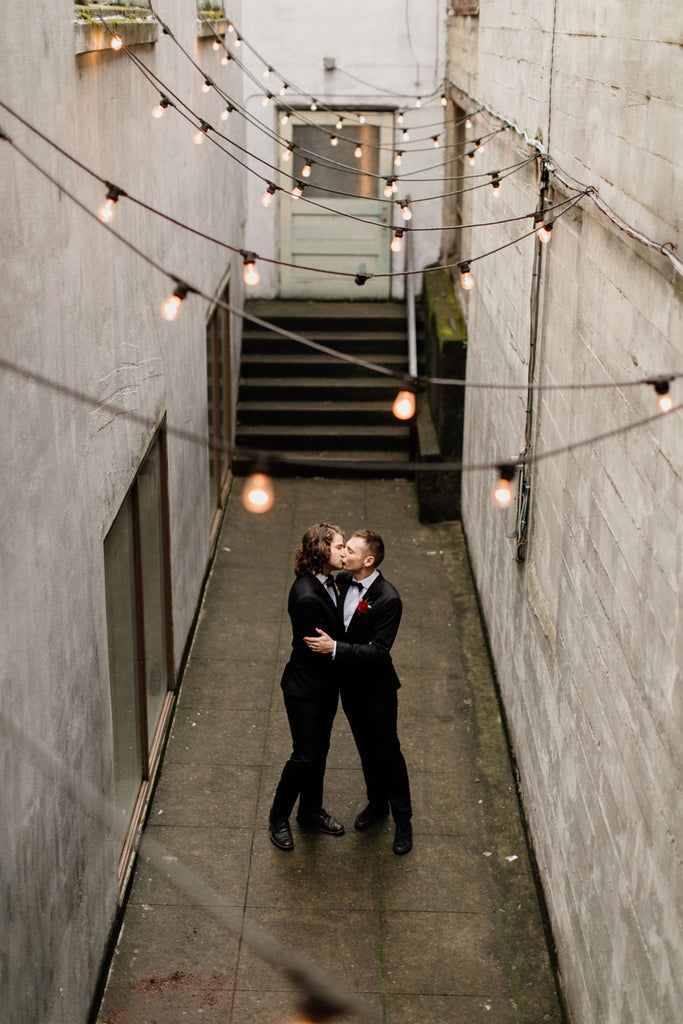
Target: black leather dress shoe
{"x": 280, "y": 833}
{"x": 323, "y": 821}
{"x": 368, "y": 816}
{"x": 403, "y": 840}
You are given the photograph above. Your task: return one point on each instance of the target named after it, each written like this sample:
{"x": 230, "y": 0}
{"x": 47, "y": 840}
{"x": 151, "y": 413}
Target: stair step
{"x": 268, "y": 389}
{"x": 353, "y": 342}
{"x": 313, "y": 412}
{"x": 323, "y": 436}
{"x": 317, "y": 365}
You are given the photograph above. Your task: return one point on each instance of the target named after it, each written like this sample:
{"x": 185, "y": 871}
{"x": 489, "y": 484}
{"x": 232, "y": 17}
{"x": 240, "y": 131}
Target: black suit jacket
{"x": 363, "y": 654}
{"x": 310, "y": 606}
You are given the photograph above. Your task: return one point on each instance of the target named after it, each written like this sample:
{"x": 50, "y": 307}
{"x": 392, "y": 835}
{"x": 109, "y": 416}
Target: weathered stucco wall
{"x": 586, "y": 633}
{"x": 78, "y": 308}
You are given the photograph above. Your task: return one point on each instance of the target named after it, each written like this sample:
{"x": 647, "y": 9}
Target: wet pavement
{"x": 218, "y": 918}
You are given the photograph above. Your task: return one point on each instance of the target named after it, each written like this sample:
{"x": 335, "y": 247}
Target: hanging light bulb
{"x": 215, "y": 45}
{"x": 471, "y": 156}
{"x": 283, "y": 88}
{"x": 287, "y": 155}
{"x": 266, "y": 99}
{"x": 399, "y": 117}
{"x": 397, "y": 242}
{"x": 444, "y": 100}
{"x": 199, "y": 137}
{"x": 436, "y": 142}
{"x": 161, "y": 107}
{"x": 257, "y": 493}
{"x": 238, "y": 41}
{"x": 405, "y": 134}
{"x": 334, "y": 141}
{"x": 338, "y": 125}
{"x": 206, "y": 85}
{"x": 107, "y": 210}
{"x": 388, "y": 190}
{"x": 361, "y": 118}
{"x": 314, "y": 105}
{"x": 398, "y": 159}
{"x": 251, "y": 274}
{"x": 418, "y": 102}
{"x": 170, "y": 307}
{"x": 227, "y": 112}
{"x": 231, "y": 27}
{"x": 116, "y": 42}
{"x": 406, "y": 212}
{"x": 404, "y": 405}
{"x": 298, "y": 190}
{"x": 495, "y": 184}
{"x": 267, "y": 73}
{"x": 468, "y": 123}
{"x": 267, "y": 196}
{"x": 665, "y": 400}
{"x": 226, "y": 58}
{"x": 466, "y": 279}
{"x": 502, "y": 492}
{"x": 543, "y": 230}
{"x": 394, "y": 186}
{"x": 306, "y": 170}
{"x": 284, "y": 119}
{"x": 358, "y": 152}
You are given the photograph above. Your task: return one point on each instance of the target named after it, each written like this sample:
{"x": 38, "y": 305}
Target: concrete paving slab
{"x": 450, "y": 933}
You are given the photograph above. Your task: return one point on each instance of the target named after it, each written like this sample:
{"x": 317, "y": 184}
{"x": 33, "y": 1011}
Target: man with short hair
{"x": 372, "y": 610}
{"x": 309, "y": 685}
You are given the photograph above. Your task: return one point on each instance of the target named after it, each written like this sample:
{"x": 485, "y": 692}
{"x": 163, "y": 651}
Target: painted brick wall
{"x": 587, "y": 632}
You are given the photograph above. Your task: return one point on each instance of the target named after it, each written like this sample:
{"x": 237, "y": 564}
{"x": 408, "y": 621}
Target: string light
{"x": 361, "y": 118}
{"x": 468, "y": 123}
{"x": 306, "y": 170}
{"x": 405, "y": 135}
{"x": 266, "y": 99}
{"x": 284, "y": 119}
{"x": 436, "y": 142}
{"x": 161, "y": 106}
{"x": 418, "y": 102}
{"x": 257, "y": 494}
{"x": 227, "y": 112}
{"x": 471, "y": 156}
{"x": 267, "y": 73}
{"x": 314, "y": 105}
{"x": 495, "y": 183}
{"x": 334, "y": 141}
{"x": 298, "y": 190}
{"x": 267, "y": 196}
{"x": 398, "y": 159}
{"x": 406, "y": 212}
{"x": 215, "y": 45}
{"x": 170, "y": 307}
{"x": 231, "y": 27}
{"x": 397, "y": 241}
{"x": 201, "y": 134}
{"x": 466, "y": 279}
{"x": 116, "y": 42}
{"x": 404, "y": 405}
{"x": 358, "y": 152}
{"x": 106, "y": 211}
{"x": 389, "y": 187}
{"x": 339, "y": 124}
{"x": 400, "y": 118}
{"x": 226, "y": 58}
{"x": 543, "y": 230}
{"x": 662, "y": 389}
{"x": 238, "y": 41}
{"x": 287, "y": 154}
{"x": 283, "y": 88}
{"x": 502, "y": 492}
{"x": 444, "y": 101}
{"x": 251, "y": 274}
{"x": 206, "y": 85}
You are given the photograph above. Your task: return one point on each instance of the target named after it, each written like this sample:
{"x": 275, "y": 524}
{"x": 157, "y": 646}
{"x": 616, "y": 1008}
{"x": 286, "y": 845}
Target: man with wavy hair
{"x": 309, "y": 685}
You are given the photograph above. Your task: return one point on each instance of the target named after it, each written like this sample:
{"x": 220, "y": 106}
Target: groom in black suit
{"x": 371, "y": 609}
{"x": 310, "y": 688}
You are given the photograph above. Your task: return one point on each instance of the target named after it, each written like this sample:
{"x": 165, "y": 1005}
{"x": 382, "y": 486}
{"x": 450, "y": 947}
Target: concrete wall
{"x": 393, "y": 49}
{"x": 80, "y": 309}
{"x": 586, "y": 633}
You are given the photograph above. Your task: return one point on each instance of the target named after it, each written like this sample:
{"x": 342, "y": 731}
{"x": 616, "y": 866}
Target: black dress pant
{"x": 374, "y": 727}
{"x": 310, "y": 722}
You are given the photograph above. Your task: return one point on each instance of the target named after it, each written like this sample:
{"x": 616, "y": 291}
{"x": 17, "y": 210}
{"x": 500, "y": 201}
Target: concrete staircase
{"x": 295, "y": 402}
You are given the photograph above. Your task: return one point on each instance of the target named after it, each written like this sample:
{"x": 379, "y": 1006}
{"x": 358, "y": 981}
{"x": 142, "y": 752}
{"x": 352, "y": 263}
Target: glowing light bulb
{"x": 284, "y": 119}
{"x": 405, "y": 135}
{"x": 225, "y": 59}
{"x": 266, "y": 99}
{"x": 466, "y": 279}
{"x": 418, "y": 102}
{"x": 298, "y": 190}
{"x": 398, "y": 159}
{"x": 116, "y": 42}
{"x": 170, "y": 307}
{"x": 283, "y": 88}
{"x": 394, "y": 186}
{"x": 287, "y": 155}
{"x": 388, "y": 190}
{"x": 406, "y": 212}
{"x": 339, "y": 124}
{"x": 397, "y": 244}
{"x": 267, "y": 196}
{"x": 215, "y": 45}
{"x": 267, "y": 73}
{"x": 361, "y": 118}
{"x": 665, "y": 400}
{"x": 436, "y": 142}
{"x": 306, "y": 171}
{"x": 231, "y": 27}
{"x": 495, "y": 184}
{"x": 238, "y": 41}
{"x": 404, "y": 405}
{"x": 313, "y": 106}
{"x": 471, "y": 156}
{"x": 257, "y": 494}
{"x": 468, "y": 123}
{"x": 334, "y": 141}
{"x": 543, "y": 230}
{"x": 107, "y": 210}
{"x": 358, "y": 152}
{"x": 206, "y": 85}
{"x": 161, "y": 107}
{"x": 251, "y": 274}
{"x": 502, "y": 492}
{"x": 226, "y": 113}
{"x": 199, "y": 137}
{"x": 399, "y": 119}
{"x": 444, "y": 101}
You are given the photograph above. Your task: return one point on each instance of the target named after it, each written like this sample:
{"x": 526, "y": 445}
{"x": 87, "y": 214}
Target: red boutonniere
{"x": 364, "y": 607}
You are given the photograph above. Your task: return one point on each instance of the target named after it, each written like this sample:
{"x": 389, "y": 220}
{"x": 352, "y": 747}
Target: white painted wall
{"x": 586, "y": 634}
{"x": 78, "y": 308}
{"x": 394, "y": 48}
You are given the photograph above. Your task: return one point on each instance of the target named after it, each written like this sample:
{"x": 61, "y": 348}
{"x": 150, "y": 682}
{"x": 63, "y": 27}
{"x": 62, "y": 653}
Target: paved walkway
{"x": 450, "y": 933}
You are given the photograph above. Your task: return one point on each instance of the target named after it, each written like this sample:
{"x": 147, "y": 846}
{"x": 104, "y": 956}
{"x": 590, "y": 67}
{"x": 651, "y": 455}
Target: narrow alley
{"x": 450, "y": 933}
